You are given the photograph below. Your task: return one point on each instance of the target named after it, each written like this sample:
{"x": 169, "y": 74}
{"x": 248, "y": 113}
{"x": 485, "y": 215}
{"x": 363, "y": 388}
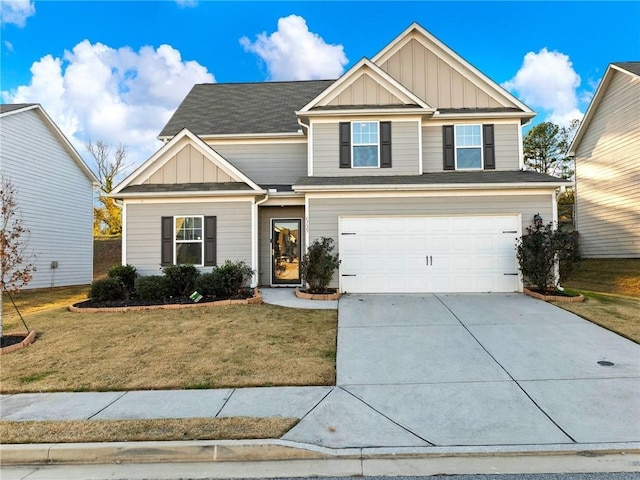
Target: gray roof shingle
{"x": 237, "y": 108}
{"x": 9, "y": 107}
{"x": 186, "y": 187}
{"x": 437, "y": 178}
{"x": 633, "y": 67}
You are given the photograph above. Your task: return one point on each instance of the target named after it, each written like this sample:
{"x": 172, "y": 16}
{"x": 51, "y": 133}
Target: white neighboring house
{"x": 606, "y": 149}
{"x": 54, "y": 192}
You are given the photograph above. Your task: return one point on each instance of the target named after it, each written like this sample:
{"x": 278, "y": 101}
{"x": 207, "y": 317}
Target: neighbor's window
{"x": 365, "y": 145}
{"x": 188, "y": 240}
{"x": 468, "y": 147}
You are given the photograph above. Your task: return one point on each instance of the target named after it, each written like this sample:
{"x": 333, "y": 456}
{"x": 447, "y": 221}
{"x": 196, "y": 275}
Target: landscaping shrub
{"x": 319, "y": 264}
{"x": 127, "y": 275}
{"x": 206, "y": 284}
{"x": 106, "y": 289}
{"x": 153, "y": 287}
{"x": 230, "y": 279}
{"x": 182, "y": 279}
{"x": 568, "y": 253}
{"x": 540, "y": 250}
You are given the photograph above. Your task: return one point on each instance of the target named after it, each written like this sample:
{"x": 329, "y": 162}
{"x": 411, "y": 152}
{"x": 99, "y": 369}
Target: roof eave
{"x": 366, "y": 111}
{"x": 447, "y": 186}
{"x": 524, "y": 116}
{"x": 200, "y": 193}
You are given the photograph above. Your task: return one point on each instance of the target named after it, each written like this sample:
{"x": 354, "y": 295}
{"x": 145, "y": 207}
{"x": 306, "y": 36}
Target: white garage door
{"x": 428, "y": 254}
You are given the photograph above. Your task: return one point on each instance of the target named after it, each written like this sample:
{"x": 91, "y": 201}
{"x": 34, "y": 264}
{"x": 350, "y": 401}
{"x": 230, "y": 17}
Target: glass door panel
{"x": 285, "y": 252}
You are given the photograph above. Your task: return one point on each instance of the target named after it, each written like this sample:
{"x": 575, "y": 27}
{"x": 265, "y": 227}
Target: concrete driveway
{"x": 474, "y": 370}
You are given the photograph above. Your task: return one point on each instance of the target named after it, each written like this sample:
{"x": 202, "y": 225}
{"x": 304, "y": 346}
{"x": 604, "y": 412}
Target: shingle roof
{"x": 237, "y": 108}
{"x": 437, "y": 178}
{"x": 9, "y": 107}
{"x": 633, "y": 67}
{"x": 185, "y": 187}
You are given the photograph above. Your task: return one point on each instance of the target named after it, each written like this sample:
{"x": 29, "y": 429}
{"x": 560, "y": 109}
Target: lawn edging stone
{"x": 28, "y": 340}
{"x": 257, "y": 298}
{"x": 316, "y": 296}
{"x": 554, "y": 298}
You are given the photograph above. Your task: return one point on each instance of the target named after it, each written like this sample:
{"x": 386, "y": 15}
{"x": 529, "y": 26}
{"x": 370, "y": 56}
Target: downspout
{"x": 254, "y": 235}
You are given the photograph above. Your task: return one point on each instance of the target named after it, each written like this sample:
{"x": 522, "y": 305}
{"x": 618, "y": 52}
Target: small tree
{"x": 107, "y": 218}
{"x": 546, "y": 146}
{"x": 541, "y": 250}
{"x": 16, "y": 269}
{"x": 319, "y": 264}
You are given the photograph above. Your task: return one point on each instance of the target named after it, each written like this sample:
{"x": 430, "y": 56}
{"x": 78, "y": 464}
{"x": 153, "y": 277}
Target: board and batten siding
{"x": 55, "y": 198}
{"x": 188, "y": 166}
{"x": 608, "y": 174}
{"x": 266, "y": 215}
{"x": 143, "y": 229}
{"x": 404, "y": 151}
{"x": 430, "y": 77}
{"x": 324, "y": 213}
{"x": 506, "y": 138}
{"x": 267, "y": 163}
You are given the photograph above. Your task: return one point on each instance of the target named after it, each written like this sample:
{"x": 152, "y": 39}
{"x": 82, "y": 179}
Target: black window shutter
{"x": 385, "y": 144}
{"x": 489, "y": 148}
{"x": 345, "y": 145}
{"x": 210, "y": 246}
{"x": 166, "y": 255}
{"x": 448, "y": 147}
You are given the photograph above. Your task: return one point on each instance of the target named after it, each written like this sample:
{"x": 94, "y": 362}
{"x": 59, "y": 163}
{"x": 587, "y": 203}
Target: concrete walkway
{"x": 284, "y": 297}
{"x": 419, "y": 373}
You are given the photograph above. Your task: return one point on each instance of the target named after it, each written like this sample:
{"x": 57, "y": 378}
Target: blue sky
{"x": 117, "y": 70}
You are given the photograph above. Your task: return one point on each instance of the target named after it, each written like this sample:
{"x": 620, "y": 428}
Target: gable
{"x": 439, "y": 76}
{"x": 366, "y": 91}
{"x": 188, "y": 166}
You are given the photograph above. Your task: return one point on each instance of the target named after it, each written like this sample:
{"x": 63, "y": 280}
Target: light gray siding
{"x": 55, "y": 197}
{"x": 278, "y": 164}
{"x": 143, "y": 231}
{"x": 404, "y": 151}
{"x": 608, "y": 174}
{"x": 266, "y": 214}
{"x": 324, "y": 213}
{"x": 506, "y": 147}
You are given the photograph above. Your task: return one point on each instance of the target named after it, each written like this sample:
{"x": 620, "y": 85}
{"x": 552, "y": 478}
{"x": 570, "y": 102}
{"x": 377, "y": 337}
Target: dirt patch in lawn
{"x": 618, "y": 314}
{"x": 145, "y": 430}
{"x": 218, "y": 347}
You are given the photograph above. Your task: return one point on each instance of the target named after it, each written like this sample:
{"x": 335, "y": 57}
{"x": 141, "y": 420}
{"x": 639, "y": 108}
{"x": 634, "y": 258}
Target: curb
{"x": 270, "y": 450}
{"x": 316, "y": 296}
{"x": 554, "y": 298}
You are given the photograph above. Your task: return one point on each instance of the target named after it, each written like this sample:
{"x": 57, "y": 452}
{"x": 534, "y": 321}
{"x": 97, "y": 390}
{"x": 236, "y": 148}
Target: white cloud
{"x": 187, "y": 3}
{"x": 8, "y": 45}
{"x": 115, "y": 95}
{"x": 294, "y": 53}
{"x": 546, "y": 80}
{"x": 16, "y": 11}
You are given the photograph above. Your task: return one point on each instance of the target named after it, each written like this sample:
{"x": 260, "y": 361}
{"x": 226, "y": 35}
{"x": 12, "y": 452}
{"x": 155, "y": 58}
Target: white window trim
{"x": 353, "y": 145}
{"x": 176, "y": 242}
{"x": 455, "y": 146}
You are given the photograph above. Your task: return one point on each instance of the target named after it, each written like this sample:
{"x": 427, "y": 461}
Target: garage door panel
{"x": 428, "y": 254}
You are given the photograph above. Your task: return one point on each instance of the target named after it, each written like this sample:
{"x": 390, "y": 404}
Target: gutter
{"x": 449, "y": 186}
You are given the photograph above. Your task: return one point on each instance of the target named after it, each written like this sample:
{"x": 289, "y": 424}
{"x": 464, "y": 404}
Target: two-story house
{"x": 411, "y": 161}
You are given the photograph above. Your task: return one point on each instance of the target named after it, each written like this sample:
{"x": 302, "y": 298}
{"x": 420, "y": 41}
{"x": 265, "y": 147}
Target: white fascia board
{"x": 405, "y": 36}
{"x": 58, "y": 133}
{"x": 488, "y": 115}
{"x": 379, "y": 75}
{"x": 179, "y": 200}
{"x": 440, "y": 187}
{"x": 201, "y": 193}
{"x": 366, "y": 111}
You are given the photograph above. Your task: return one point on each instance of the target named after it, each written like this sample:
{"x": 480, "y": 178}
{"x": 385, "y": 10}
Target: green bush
{"x": 541, "y": 250}
{"x": 230, "y": 279}
{"x": 319, "y": 264}
{"x": 206, "y": 284}
{"x": 153, "y": 287}
{"x": 127, "y": 275}
{"x": 182, "y": 279}
{"x": 106, "y": 289}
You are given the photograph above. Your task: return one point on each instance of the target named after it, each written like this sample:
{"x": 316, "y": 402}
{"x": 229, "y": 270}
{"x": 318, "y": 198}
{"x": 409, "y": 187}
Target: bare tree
{"x": 108, "y": 217}
{"x": 16, "y": 269}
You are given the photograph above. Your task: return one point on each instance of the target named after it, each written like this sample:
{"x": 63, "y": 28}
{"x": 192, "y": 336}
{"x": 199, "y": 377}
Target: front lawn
{"x": 216, "y": 347}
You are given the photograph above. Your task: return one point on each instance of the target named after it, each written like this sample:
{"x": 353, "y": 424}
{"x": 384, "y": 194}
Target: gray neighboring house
{"x": 54, "y": 193}
{"x": 411, "y": 161}
{"x": 606, "y": 150}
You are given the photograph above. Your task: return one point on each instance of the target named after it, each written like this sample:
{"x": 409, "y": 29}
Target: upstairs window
{"x": 365, "y": 144}
{"x": 468, "y": 147}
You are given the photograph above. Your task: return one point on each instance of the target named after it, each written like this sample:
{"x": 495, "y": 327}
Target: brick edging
{"x": 316, "y": 296}
{"x": 30, "y": 337}
{"x": 554, "y": 298}
{"x": 257, "y": 298}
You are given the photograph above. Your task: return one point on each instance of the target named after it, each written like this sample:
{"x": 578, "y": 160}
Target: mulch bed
{"x": 8, "y": 340}
{"x": 137, "y": 302}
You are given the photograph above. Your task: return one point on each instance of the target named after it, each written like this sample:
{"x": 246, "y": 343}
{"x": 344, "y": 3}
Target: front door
{"x": 285, "y": 251}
